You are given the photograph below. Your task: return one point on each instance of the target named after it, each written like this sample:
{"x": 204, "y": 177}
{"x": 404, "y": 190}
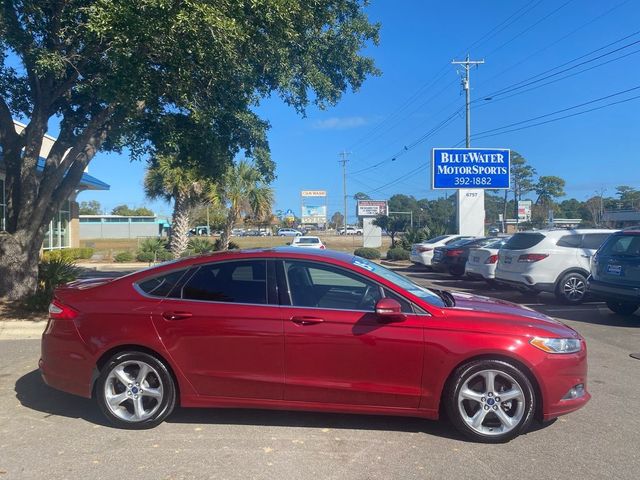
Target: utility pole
{"x": 344, "y": 154}
{"x": 474, "y": 199}
{"x": 466, "y": 85}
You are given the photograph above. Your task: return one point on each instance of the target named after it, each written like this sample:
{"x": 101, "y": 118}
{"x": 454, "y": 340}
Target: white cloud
{"x": 340, "y": 123}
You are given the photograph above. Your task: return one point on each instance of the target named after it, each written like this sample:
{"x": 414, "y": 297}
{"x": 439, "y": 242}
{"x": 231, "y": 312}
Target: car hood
{"x": 509, "y": 312}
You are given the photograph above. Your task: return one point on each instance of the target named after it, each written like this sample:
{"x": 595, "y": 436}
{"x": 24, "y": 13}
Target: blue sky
{"x": 419, "y": 89}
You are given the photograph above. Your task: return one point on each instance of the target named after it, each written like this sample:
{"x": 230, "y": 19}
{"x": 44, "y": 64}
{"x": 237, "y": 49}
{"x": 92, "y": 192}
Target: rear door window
{"x": 523, "y": 241}
{"x": 570, "y": 241}
{"x": 593, "y": 241}
{"x": 162, "y": 285}
{"x": 242, "y": 281}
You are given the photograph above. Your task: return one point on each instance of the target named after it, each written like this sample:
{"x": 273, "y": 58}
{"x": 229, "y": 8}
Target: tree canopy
{"x": 147, "y": 75}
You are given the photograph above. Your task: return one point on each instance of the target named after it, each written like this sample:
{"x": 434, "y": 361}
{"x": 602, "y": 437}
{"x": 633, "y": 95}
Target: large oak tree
{"x": 109, "y": 71}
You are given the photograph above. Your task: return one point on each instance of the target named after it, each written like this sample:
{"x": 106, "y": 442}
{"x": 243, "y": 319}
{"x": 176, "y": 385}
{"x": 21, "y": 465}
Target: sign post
{"x": 470, "y": 171}
{"x": 314, "y": 207}
{"x": 369, "y": 210}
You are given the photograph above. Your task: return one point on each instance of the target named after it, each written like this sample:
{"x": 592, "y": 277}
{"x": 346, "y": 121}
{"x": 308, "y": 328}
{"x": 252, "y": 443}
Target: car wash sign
{"x": 470, "y": 168}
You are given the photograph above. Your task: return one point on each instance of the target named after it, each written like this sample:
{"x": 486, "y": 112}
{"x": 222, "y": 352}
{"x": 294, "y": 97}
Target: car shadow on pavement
{"x": 33, "y": 393}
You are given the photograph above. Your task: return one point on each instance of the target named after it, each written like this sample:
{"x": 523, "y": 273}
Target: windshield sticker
{"x": 363, "y": 265}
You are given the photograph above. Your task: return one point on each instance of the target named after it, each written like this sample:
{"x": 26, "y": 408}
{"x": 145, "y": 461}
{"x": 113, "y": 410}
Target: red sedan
{"x": 302, "y": 330}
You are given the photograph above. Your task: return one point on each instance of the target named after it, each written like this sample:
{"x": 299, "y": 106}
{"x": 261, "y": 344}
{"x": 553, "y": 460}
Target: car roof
{"x": 305, "y": 236}
{"x": 562, "y": 232}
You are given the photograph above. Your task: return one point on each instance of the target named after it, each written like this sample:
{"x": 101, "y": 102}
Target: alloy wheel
{"x": 491, "y": 402}
{"x": 574, "y": 288}
{"x": 133, "y": 391}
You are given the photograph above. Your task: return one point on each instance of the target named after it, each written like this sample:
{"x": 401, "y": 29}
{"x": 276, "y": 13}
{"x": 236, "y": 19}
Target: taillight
{"x": 60, "y": 311}
{"x": 491, "y": 259}
{"x": 424, "y": 249}
{"x": 532, "y": 257}
{"x": 454, "y": 253}
{"x": 322, "y": 247}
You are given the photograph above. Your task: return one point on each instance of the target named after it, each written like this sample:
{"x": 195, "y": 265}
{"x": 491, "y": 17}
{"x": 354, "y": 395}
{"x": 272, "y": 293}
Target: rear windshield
{"x": 522, "y": 241}
{"x": 623, "y": 245}
{"x": 307, "y": 240}
{"x": 436, "y": 239}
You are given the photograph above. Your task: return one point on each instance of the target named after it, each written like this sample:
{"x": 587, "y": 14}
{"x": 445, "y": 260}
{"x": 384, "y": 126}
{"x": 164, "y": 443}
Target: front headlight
{"x": 557, "y": 345}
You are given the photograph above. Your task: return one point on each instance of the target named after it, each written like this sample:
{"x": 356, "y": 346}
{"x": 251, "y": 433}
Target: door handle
{"x": 306, "y": 320}
{"x": 585, "y": 256}
{"x": 176, "y": 315}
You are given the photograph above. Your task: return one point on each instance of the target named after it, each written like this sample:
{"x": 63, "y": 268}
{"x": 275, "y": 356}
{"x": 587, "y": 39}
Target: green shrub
{"x": 68, "y": 254}
{"x": 51, "y": 273}
{"x": 123, "y": 257}
{"x": 413, "y": 235}
{"x": 397, "y": 253}
{"x": 153, "y": 250}
{"x": 370, "y": 253}
{"x": 198, "y": 246}
{"x": 151, "y": 257}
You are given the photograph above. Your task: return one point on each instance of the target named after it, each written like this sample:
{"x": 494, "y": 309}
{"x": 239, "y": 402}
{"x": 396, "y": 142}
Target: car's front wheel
{"x": 135, "y": 390}
{"x": 490, "y": 401}
{"x": 622, "y": 308}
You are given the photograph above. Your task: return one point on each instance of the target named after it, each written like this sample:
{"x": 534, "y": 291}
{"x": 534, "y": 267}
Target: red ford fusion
{"x": 308, "y": 330}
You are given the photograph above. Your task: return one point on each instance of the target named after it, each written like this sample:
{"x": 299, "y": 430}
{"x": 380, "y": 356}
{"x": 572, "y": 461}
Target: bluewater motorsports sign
{"x": 470, "y": 168}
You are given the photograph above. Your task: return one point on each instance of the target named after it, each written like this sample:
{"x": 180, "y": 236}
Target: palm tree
{"x": 186, "y": 186}
{"x": 243, "y": 189}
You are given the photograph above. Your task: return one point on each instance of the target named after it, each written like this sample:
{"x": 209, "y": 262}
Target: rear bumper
{"x": 421, "y": 258}
{"x": 65, "y": 364}
{"x": 485, "y": 271}
{"x": 614, "y": 292}
{"x": 522, "y": 280}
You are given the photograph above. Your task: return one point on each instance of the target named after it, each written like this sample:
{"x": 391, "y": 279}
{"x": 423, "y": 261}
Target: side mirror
{"x": 389, "y": 310}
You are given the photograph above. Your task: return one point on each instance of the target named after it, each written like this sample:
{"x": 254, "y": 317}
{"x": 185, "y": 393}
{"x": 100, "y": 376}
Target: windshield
{"x": 401, "y": 281}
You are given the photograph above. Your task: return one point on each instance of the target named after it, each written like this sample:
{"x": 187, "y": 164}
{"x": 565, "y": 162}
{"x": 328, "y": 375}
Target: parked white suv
{"x": 554, "y": 261}
{"x": 422, "y": 253}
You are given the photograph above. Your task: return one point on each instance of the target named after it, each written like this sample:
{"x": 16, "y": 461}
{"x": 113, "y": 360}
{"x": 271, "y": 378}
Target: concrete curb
{"x": 21, "y": 329}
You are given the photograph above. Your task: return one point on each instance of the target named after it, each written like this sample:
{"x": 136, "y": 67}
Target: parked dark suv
{"x": 453, "y": 257}
{"x": 615, "y": 271}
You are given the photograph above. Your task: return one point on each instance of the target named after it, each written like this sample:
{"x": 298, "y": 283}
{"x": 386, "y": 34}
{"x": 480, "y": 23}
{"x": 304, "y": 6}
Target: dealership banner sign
{"x": 372, "y": 208}
{"x": 482, "y": 168}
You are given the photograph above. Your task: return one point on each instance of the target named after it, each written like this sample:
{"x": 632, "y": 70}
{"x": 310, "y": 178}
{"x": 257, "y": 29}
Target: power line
{"x": 442, "y": 73}
{"x": 492, "y": 101}
{"x": 555, "y": 42}
{"x": 553, "y": 12}
{"x": 530, "y": 81}
{"x": 490, "y": 133}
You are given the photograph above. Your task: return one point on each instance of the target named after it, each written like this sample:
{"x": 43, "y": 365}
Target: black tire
{"x": 572, "y": 288}
{"x": 505, "y": 375}
{"x": 622, "y": 308}
{"x": 158, "y": 379}
{"x": 456, "y": 271}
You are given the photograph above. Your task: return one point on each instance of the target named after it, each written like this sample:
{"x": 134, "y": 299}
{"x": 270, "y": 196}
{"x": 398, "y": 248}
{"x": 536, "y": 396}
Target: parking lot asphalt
{"x": 49, "y": 434}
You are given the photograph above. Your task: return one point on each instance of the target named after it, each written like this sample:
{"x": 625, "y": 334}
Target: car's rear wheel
{"x": 456, "y": 271}
{"x": 490, "y": 401}
{"x": 135, "y": 390}
{"x": 572, "y": 288}
{"x": 622, "y": 308}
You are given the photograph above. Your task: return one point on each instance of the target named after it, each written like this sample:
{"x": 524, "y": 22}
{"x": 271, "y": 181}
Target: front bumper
{"x": 558, "y": 374}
